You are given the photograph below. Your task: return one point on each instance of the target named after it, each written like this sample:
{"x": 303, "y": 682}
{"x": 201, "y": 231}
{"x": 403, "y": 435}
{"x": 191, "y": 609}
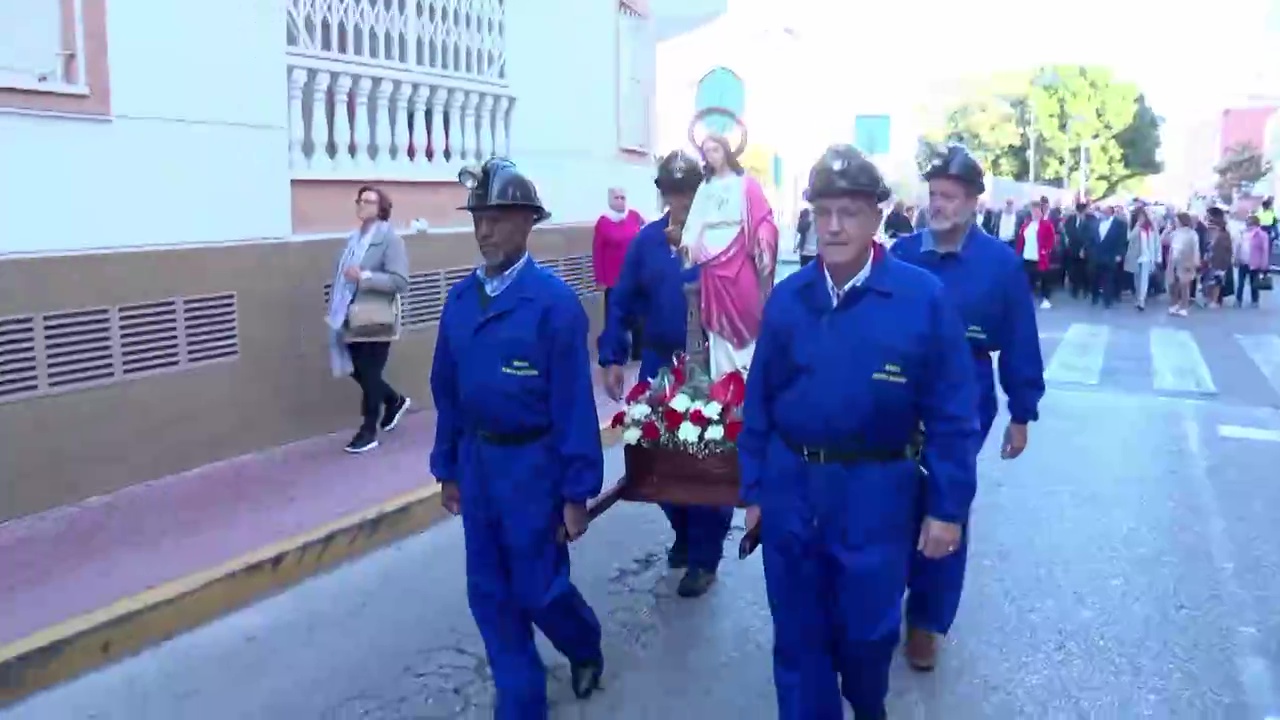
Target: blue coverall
{"x": 517, "y": 429}
{"x": 838, "y": 536}
{"x": 651, "y": 288}
{"x": 986, "y": 283}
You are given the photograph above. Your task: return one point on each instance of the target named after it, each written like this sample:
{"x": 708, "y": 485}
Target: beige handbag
{"x": 373, "y": 317}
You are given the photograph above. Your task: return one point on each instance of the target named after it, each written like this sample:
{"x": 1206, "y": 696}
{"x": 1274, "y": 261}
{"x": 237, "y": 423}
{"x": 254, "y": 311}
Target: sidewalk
{"x": 87, "y": 584}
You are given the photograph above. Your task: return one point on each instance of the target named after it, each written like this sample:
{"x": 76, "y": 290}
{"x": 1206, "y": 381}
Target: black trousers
{"x": 369, "y": 360}
{"x": 1103, "y": 282}
{"x": 635, "y": 328}
{"x": 1043, "y": 281}
{"x": 1078, "y": 276}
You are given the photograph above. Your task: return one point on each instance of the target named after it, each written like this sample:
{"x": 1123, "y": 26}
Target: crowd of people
{"x": 1106, "y": 252}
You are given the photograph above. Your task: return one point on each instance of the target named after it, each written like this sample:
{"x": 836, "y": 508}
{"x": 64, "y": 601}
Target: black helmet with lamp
{"x": 496, "y": 185}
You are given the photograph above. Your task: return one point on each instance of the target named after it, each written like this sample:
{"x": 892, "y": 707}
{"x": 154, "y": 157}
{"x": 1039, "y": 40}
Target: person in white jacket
{"x": 1142, "y": 256}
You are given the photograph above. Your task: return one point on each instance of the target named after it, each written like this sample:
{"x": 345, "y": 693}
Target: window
{"x": 34, "y": 49}
{"x": 635, "y": 67}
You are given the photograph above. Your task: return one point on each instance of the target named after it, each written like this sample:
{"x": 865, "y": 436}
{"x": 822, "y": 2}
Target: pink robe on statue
{"x": 733, "y": 291}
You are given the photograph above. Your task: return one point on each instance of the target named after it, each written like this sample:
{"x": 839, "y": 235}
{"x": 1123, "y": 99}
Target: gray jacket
{"x": 385, "y": 271}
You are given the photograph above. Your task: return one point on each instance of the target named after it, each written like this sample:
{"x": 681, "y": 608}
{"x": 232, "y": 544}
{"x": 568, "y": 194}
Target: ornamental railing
{"x": 396, "y": 89}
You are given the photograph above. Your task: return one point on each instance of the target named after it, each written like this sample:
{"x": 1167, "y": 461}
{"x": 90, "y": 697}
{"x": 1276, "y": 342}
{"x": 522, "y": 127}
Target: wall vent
{"x": 19, "y": 369}
{"x": 422, "y": 305}
{"x": 69, "y": 350}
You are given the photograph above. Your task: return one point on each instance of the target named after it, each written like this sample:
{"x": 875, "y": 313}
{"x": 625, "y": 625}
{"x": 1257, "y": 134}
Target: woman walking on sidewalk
{"x": 1251, "y": 258}
{"x": 364, "y": 314}
{"x": 1184, "y": 263}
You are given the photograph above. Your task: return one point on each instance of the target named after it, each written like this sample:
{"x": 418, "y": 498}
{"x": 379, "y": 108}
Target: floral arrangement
{"x": 681, "y": 409}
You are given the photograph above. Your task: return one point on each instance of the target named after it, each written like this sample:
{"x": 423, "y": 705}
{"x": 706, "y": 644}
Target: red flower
{"x": 697, "y": 418}
{"x": 677, "y": 369}
{"x": 618, "y": 419}
{"x": 729, "y": 390}
{"x": 640, "y": 390}
{"x": 649, "y": 431}
{"x": 672, "y": 417}
{"x": 731, "y": 430}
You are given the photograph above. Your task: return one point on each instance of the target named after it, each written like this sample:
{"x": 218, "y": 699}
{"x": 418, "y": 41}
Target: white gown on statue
{"x": 719, "y": 213}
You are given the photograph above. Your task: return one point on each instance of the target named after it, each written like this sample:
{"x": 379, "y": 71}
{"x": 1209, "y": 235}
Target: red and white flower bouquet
{"x": 682, "y": 409}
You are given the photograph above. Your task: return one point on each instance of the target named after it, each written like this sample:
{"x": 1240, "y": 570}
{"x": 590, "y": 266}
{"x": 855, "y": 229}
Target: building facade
{"x": 179, "y": 178}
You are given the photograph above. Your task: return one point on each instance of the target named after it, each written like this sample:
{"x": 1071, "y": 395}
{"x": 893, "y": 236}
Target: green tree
{"x": 1241, "y": 166}
{"x": 1064, "y": 108}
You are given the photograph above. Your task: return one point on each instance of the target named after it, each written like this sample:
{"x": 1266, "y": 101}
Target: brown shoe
{"x": 921, "y": 649}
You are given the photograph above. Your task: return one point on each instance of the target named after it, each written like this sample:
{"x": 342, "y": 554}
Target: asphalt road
{"x": 1124, "y": 567}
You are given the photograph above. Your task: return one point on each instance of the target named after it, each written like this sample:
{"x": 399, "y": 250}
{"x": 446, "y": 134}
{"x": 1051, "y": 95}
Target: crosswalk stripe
{"x": 1264, "y": 351}
{"x": 1176, "y": 363}
{"x": 1079, "y": 356}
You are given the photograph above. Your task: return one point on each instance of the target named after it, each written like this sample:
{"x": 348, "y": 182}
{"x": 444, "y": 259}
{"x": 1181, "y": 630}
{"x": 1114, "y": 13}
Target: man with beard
{"x": 517, "y": 448}
{"x": 651, "y": 289}
{"x": 855, "y": 354}
{"x": 986, "y": 283}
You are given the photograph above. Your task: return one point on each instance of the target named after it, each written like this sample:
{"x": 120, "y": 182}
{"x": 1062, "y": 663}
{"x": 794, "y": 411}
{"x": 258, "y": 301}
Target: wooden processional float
{"x": 680, "y": 428}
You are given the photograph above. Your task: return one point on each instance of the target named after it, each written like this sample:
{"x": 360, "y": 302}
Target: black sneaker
{"x": 392, "y": 416}
{"x": 695, "y": 583}
{"x": 585, "y": 679}
{"x": 364, "y": 441}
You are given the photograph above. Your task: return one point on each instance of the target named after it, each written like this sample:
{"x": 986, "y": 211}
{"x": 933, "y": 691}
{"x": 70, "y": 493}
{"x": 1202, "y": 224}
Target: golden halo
{"x": 698, "y": 133}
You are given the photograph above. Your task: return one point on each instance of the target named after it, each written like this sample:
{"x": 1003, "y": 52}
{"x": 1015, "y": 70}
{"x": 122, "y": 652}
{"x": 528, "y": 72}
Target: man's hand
{"x": 614, "y": 376}
{"x": 753, "y": 517}
{"x": 673, "y": 233}
{"x": 1015, "y": 441}
{"x": 938, "y": 539}
{"x": 352, "y": 273}
{"x": 575, "y": 521}
{"x": 450, "y": 497}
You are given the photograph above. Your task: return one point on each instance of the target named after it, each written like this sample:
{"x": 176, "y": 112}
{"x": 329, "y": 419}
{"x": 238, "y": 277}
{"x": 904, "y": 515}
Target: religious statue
{"x": 729, "y": 232}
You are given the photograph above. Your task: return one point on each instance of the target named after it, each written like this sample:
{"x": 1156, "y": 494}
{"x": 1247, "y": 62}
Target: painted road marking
{"x": 1240, "y": 432}
{"x": 1264, "y": 351}
{"x": 1176, "y": 363}
{"x": 1079, "y": 356}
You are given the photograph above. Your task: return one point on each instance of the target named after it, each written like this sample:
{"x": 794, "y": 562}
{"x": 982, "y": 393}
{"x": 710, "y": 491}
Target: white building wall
{"x": 563, "y": 69}
{"x": 197, "y": 150}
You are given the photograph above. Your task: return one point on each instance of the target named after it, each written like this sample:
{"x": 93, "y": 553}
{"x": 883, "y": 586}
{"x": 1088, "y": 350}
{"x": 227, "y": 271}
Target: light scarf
{"x": 616, "y": 216}
{"x": 344, "y": 291}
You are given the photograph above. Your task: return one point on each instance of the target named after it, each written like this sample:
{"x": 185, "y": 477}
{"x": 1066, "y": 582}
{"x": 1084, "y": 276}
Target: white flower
{"x": 681, "y": 403}
{"x": 697, "y": 405}
{"x": 639, "y": 411}
{"x": 688, "y": 432}
{"x": 712, "y": 410}
{"x": 715, "y": 432}
{"x": 631, "y": 435}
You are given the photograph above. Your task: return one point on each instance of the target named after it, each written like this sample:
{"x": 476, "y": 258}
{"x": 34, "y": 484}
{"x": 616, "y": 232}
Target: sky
{"x": 1191, "y": 60}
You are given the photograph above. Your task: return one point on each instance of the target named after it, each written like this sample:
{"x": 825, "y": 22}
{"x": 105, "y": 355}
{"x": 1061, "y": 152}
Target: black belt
{"x": 512, "y": 439}
{"x": 850, "y": 455}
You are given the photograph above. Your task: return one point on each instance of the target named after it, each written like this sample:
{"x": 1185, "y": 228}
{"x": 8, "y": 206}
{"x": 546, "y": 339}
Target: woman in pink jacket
{"x": 614, "y": 231}
{"x": 1252, "y": 260}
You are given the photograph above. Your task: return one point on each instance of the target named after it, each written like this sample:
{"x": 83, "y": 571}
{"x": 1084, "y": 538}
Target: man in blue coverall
{"x": 651, "y": 289}
{"x": 985, "y": 281}
{"x": 857, "y": 353}
{"x": 517, "y": 447}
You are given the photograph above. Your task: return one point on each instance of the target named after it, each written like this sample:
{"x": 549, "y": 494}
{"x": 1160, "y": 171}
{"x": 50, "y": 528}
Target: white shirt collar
{"x": 838, "y": 293}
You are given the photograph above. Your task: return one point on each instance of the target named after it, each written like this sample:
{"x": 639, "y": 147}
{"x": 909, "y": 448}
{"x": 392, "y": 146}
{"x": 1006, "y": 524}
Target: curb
{"x": 124, "y": 628}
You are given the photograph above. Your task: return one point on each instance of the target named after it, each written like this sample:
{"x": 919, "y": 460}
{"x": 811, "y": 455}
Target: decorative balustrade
{"x": 397, "y": 90}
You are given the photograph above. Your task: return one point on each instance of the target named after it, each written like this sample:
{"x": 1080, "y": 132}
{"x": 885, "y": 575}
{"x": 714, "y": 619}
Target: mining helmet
{"x": 678, "y": 173}
{"x": 498, "y": 184}
{"x": 842, "y": 171}
{"x": 956, "y": 163}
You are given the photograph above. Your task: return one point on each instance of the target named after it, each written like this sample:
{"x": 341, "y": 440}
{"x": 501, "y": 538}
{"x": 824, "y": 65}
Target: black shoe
{"x": 678, "y": 556}
{"x": 364, "y": 441}
{"x": 392, "y": 416}
{"x": 585, "y": 679}
{"x": 695, "y": 583}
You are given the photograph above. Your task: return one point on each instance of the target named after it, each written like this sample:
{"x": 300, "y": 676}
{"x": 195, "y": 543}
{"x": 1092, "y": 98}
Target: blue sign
{"x": 871, "y": 134}
{"x": 721, "y": 88}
